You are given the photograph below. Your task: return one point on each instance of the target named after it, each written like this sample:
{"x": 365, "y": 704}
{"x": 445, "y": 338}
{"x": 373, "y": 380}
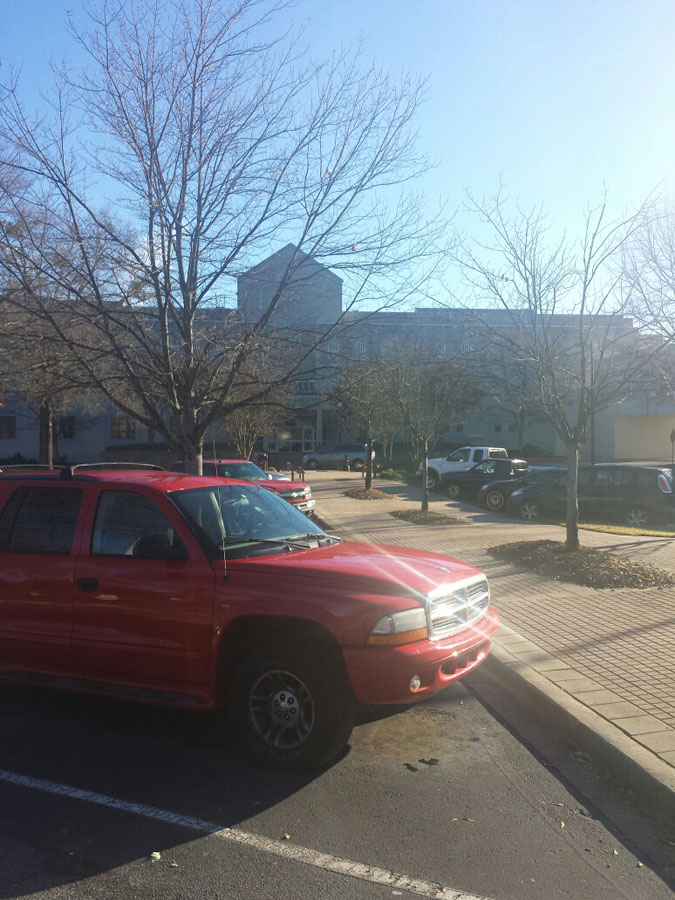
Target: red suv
{"x": 295, "y": 492}
{"x": 197, "y": 592}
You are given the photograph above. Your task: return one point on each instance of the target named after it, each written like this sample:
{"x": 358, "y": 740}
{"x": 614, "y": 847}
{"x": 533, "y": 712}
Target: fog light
{"x": 415, "y": 683}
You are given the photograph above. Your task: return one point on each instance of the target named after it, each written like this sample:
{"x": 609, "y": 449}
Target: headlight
{"x": 400, "y": 628}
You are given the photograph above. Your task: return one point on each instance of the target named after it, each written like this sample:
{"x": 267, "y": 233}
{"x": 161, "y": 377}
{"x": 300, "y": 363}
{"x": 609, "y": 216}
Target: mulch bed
{"x": 417, "y": 517}
{"x": 370, "y": 494}
{"x": 591, "y": 568}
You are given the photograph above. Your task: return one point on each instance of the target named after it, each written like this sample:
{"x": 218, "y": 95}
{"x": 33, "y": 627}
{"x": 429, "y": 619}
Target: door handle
{"x": 87, "y": 584}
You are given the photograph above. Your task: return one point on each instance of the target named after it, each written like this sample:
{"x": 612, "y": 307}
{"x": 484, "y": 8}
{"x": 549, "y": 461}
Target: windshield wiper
{"x": 313, "y": 536}
{"x": 295, "y": 541}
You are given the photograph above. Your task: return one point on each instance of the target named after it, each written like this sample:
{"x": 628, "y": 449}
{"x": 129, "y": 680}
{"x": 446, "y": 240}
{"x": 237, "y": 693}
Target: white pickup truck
{"x": 459, "y": 461}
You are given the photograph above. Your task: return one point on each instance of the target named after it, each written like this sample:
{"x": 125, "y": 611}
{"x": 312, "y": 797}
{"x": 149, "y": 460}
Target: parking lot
{"x": 438, "y": 801}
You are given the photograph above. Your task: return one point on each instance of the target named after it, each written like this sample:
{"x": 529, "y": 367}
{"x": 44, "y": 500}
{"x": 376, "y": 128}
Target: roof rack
{"x": 41, "y": 467}
{"x": 70, "y": 471}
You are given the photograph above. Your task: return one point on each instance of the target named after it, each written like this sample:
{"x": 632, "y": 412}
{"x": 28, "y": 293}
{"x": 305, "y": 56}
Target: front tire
{"x": 357, "y": 465}
{"x": 453, "y": 490}
{"x": 293, "y": 706}
{"x": 432, "y": 480}
{"x": 312, "y": 464}
{"x": 494, "y": 500}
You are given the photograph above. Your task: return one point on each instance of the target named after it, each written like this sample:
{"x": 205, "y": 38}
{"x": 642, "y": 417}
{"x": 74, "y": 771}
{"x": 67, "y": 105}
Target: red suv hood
{"x": 279, "y": 486}
{"x": 370, "y": 568}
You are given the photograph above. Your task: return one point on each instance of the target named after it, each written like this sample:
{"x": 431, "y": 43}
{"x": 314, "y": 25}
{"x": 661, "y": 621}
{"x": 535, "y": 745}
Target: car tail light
{"x": 664, "y": 485}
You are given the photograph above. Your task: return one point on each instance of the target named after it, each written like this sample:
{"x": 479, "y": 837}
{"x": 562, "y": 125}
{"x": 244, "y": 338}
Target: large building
{"x": 308, "y": 305}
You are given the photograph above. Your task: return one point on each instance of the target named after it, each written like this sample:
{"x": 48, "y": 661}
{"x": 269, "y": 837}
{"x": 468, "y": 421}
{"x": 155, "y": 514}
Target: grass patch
{"x": 591, "y": 568}
{"x": 370, "y": 494}
{"x": 417, "y": 517}
{"x": 624, "y": 529}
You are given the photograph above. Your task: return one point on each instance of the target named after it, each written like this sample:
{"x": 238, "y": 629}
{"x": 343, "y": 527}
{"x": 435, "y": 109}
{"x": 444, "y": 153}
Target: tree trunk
{"x": 369, "y": 463}
{"x": 192, "y": 457}
{"x": 520, "y": 425}
{"x": 46, "y": 434}
{"x": 425, "y": 475}
{"x": 573, "y": 450}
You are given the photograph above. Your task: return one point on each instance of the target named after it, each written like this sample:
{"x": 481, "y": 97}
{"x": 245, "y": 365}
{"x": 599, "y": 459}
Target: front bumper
{"x": 383, "y": 674}
{"x": 305, "y": 506}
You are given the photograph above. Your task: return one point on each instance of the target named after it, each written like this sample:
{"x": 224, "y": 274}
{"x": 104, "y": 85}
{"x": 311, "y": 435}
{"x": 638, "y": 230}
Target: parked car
{"x": 459, "y": 485}
{"x": 637, "y": 495}
{"x": 335, "y": 456}
{"x": 199, "y": 592}
{"x": 494, "y": 494}
{"x": 459, "y": 461}
{"x": 298, "y": 493}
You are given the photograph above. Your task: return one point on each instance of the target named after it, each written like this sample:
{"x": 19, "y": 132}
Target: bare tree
{"x": 246, "y": 423}
{"x": 430, "y": 393}
{"x": 366, "y": 399}
{"x": 649, "y": 272}
{"x": 563, "y": 316}
{"x": 190, "y": 147}
{"x": 37, "y": 371}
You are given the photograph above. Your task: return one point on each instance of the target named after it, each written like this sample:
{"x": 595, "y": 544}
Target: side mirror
{"x": 157, "y": 546}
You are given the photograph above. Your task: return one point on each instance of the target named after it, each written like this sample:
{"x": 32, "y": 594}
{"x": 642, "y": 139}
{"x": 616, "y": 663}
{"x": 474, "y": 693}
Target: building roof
{"x": 285, "y": 254}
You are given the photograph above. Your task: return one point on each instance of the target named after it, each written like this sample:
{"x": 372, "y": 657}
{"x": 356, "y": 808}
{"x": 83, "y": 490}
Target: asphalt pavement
{"x": 114, "y": 800}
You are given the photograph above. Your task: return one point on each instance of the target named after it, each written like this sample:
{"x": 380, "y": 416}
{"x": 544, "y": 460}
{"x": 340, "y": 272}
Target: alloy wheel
{"x": 281, "y": 709}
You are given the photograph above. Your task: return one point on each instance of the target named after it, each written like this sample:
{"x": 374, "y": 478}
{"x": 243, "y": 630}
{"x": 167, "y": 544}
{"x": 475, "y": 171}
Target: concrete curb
{"x": 636, "y": 767}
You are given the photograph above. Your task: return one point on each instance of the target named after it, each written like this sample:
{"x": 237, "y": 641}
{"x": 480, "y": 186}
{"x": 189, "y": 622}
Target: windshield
{"x": 246, "y": 471}
{"x": 245, "y": 519}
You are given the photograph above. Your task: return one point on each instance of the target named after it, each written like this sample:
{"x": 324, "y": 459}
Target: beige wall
{"x": 643, "y": 437}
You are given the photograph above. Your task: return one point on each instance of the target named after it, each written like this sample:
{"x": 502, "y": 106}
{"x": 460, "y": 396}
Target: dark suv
{"x": 636, "y": 495}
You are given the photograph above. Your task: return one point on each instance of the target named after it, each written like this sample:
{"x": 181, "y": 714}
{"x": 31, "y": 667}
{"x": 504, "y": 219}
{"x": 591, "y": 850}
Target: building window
{"x": 498, "y": 428}
{"x": 7, "y": 428}
{"x": 459, "y": 427}
{"x": 65, "y": 427}
{"x": 466, "y": 348}
{"x": 332, "y": 346}
{"x": 360, "y": 346}
{"x": 123, "y": 428}
{"x": 305, "y": 387}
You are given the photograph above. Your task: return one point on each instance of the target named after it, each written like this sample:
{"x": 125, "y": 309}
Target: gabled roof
{"x": 284, "y": 255}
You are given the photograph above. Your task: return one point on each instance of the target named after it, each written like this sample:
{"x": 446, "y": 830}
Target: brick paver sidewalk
{"x": 613, "y": 651}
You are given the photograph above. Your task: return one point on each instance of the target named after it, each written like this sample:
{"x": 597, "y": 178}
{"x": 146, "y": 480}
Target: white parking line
{"x": 304, "y": 855}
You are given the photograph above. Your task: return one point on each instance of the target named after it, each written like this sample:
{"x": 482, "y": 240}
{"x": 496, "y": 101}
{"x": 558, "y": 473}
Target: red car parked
{"x": 198, "y": 592}
{"x": 296, "y": 492}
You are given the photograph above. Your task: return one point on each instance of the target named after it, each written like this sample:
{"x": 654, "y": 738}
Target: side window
{"x": 461, "y": 455}
{"x": 40, "y": 520}
{"x": 477, "y": 455}
{"x": 644, "y": 479}
{"x": 585, "y": 478}
{"x": 625, "y": 478}
{"x": 122, "y": 519}
{"x": 608, "y": 478}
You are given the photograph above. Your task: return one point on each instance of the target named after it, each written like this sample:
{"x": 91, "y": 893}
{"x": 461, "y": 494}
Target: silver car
{"x": 336, "y": 456}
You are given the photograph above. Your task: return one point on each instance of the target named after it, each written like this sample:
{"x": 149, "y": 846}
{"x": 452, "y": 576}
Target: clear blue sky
{"x": 555, "y": 98}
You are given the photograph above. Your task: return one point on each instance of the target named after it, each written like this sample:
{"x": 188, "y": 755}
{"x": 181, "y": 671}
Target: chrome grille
{"x": 453, "y": 607}
{"x": 293, "y": 494}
